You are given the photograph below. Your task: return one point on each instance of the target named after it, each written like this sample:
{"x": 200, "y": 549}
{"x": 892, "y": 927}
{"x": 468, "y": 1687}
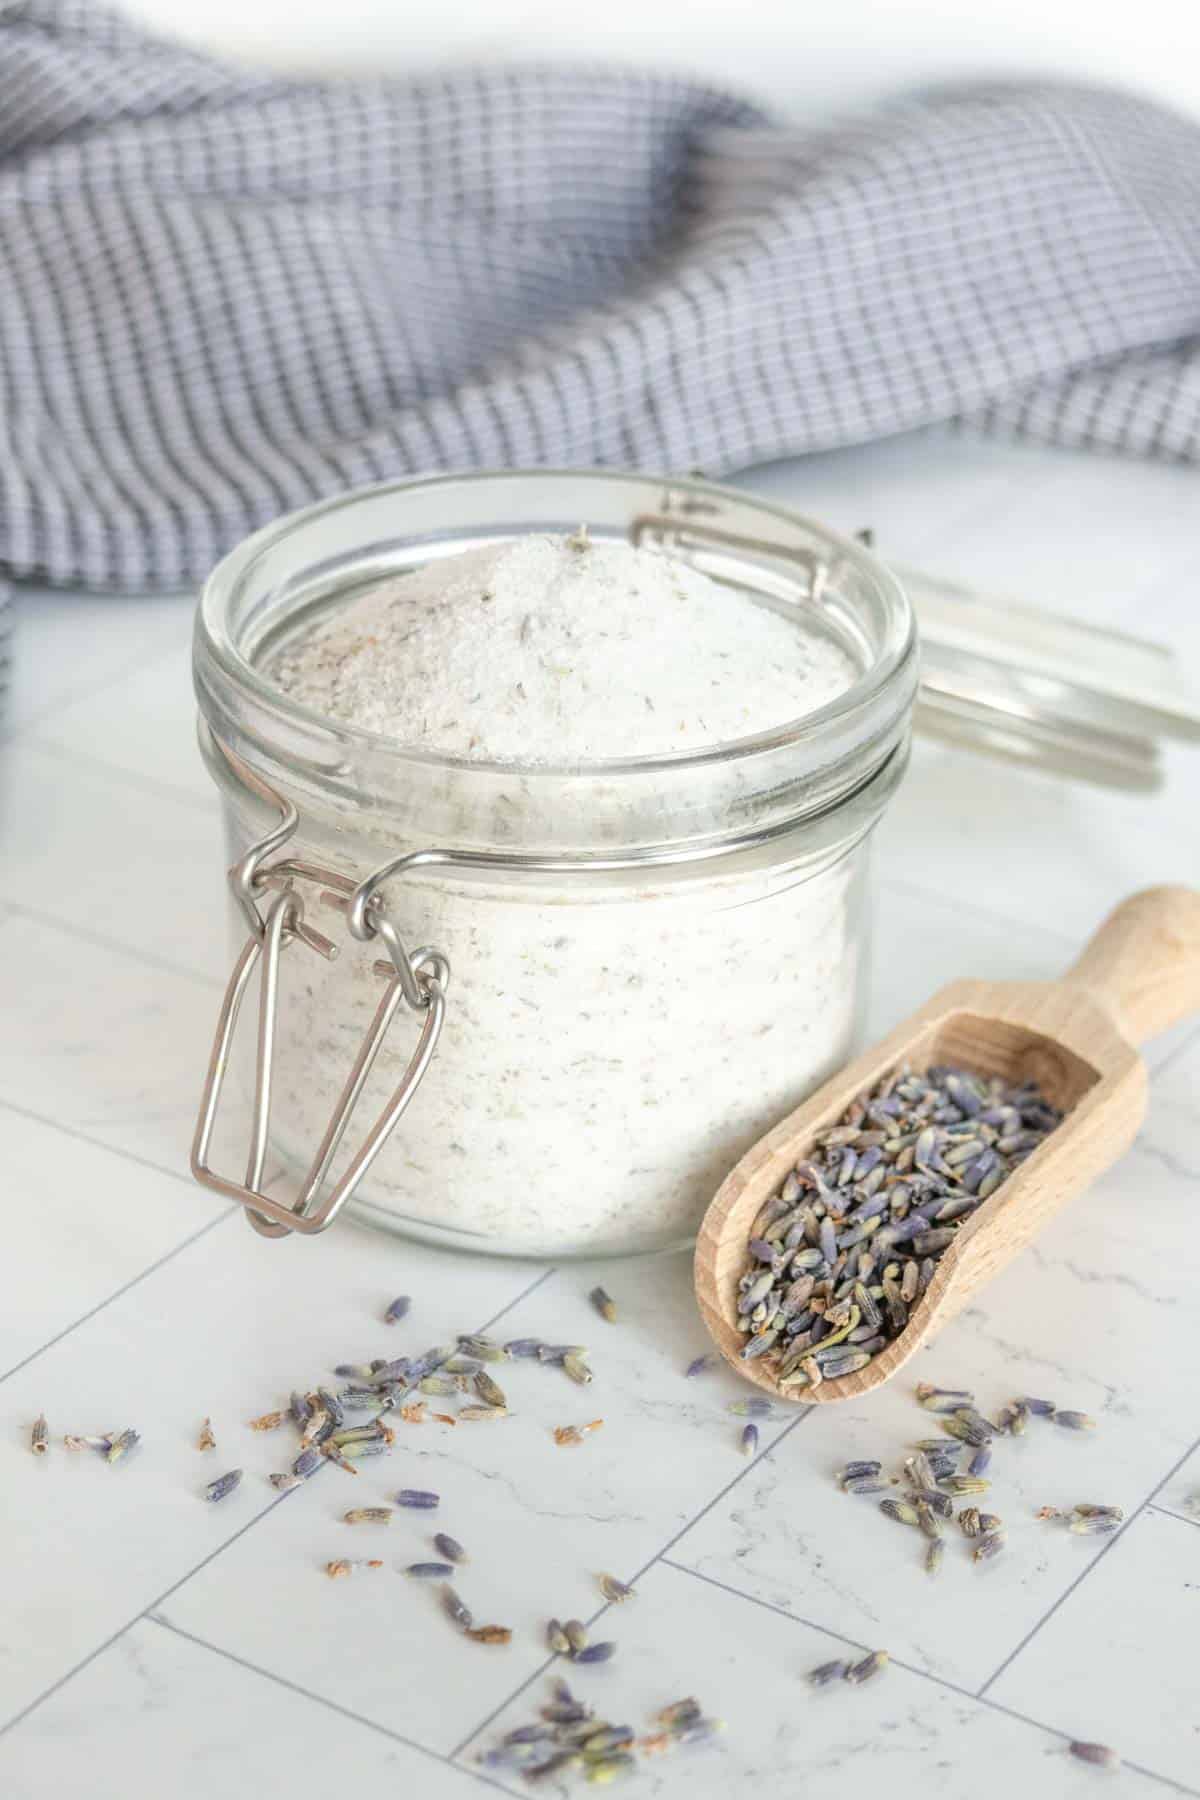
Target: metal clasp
{"x": 417, "y": 980}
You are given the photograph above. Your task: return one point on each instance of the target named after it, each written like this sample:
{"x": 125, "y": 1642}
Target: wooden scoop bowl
{"x": 1074, "y": 1037}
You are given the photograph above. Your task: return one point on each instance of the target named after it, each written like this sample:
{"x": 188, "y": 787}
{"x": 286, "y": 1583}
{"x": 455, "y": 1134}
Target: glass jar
{"x": 652, "y": 960}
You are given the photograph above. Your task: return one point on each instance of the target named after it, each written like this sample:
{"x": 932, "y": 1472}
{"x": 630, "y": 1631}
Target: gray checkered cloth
{"x": 225, "y": 293}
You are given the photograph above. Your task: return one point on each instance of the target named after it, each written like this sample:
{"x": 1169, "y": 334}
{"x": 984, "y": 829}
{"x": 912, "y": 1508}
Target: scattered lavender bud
{"x": 595, "y": 1653}
{"x": 750, "y": 1409}
{"x": 429, "y": 1571}
{"x": 39, "y": 1437}
{"x": 450, "y": 1547}
{"x": 1075, "y": 1421}
{"x": 870, "y": 1665}
{"x": 1100, "y": 1754}
{"x": 603, "y": 1304}
{"x": 461, "y": 1614}
{"x": 417, "y": 1498}
{"x": 223, "y": 1485}
{"x": 397, "y": 1310}
{"x": 749, "y": 1440}
{"x": 122, "y": 1445}
{"x": 826, "y": 1672}
{"x": 523, "y": 1347}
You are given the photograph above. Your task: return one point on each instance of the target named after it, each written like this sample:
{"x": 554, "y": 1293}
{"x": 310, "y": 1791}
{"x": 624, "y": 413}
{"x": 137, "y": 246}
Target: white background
{"x": 806, "y": 56}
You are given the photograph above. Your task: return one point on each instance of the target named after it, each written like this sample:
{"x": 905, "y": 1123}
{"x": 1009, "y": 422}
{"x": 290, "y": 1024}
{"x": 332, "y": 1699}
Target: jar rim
{"x": 228, "y": 578}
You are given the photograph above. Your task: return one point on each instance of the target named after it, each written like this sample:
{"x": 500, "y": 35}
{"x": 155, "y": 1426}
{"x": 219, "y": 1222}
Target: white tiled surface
{"x": 152, "y": 1644}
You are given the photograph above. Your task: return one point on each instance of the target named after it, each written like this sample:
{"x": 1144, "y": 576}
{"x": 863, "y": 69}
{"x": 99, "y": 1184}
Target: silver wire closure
{"x": 419, "y": 981}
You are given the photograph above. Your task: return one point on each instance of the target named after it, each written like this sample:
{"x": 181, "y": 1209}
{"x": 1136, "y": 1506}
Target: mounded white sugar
{"x": 560, "y": 650}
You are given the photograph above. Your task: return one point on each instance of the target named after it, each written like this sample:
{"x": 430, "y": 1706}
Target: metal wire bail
{"x": 417, "y": 980}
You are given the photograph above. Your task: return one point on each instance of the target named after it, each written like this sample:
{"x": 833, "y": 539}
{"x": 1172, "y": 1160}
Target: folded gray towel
{"x": 225, "y": 293}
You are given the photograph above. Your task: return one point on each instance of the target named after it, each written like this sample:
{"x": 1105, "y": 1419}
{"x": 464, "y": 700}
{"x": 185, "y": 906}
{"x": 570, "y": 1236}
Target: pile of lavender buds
{"x": 840, "y": 1257}
{"x": 568, "y": 1737}
{"x": 935, "y": 1478}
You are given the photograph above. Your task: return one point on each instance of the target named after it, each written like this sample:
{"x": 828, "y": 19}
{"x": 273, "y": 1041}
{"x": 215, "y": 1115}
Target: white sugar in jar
{"x": 648, "y": 780}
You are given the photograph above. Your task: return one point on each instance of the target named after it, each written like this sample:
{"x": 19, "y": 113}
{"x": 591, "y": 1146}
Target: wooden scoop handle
{"x": 1143, "y": 964}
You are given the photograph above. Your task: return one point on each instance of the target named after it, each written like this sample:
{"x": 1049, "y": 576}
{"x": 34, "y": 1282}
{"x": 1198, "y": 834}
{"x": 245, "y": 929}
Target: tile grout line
{"x": 101, "y": 941}
{"x": 659, "y": 1556}
{"x": 345, "y": 1712}
{"x": 1113, "y": 1541}
{"x": 220, "y": 1548}
{"x": 91, "y": 1656}
{"x": 96, "y": 1143}
{"x": 914, "y": 890}
{"x": 811, "y": 1624}
{"x": 149, "y": 784}
{"x": 116, "y": 1294}
{"x": 912, "y": 1669}
{"x": 88, "y": 691}
{"x": 1168, "y": 1512}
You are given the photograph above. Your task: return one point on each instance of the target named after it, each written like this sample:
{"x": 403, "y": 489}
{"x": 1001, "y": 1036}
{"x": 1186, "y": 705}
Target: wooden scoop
{"x": 1074, "y": 1037}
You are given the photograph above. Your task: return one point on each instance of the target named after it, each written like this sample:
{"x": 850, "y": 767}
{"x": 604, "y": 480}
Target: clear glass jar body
{"x": 684, "y": 963}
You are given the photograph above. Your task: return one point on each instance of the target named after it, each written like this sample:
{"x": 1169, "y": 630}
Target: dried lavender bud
{"x": 574, "y": 1366}
{"x": 901, "y": 1511}
{"x": 595, "y": 1653}
{"x": 397, "y": 1310}
{"x": 824, "y": 1673}
{"x": 429, "y": 1571}
{"x": 418, "y": 1498}
{"x": 981, "y": 1460}
{"x": 449, "y": 1547}
{"x": 1075, "y": 1421}
{"x": 490, "y": 1634}
{"x": 749, "y": 1440}
{"x": 750, "y": 1409}
{"x": 368, "y": 1515}
{"x": 866, "y": 1484}
{"x": 223, "y": 1485}
{"x": 1093, "y": 1525}
{"x": 122, "y": 1445}
{"x": 522, "y": 1347}
{"x": 489, "y": 1391}
{"x": 461, "y": 1614}
{"x": 1100, "y": 1754}
{"x": 988, "y": 1546}
{"x": 934, "y": 1555}
{"x": 576, "y": 1635}
{"x": 557, "y": 1639}
{"x": 870, "y": 1665}
{"x": 852, "y": 1470}
{"x": 270, "y": 1421}
{"x": 1043, "y": 1409}
{"x": 603, "y": 1304}
{"x": 699, "y": 1366}
{"x": 307, "y": 1463}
